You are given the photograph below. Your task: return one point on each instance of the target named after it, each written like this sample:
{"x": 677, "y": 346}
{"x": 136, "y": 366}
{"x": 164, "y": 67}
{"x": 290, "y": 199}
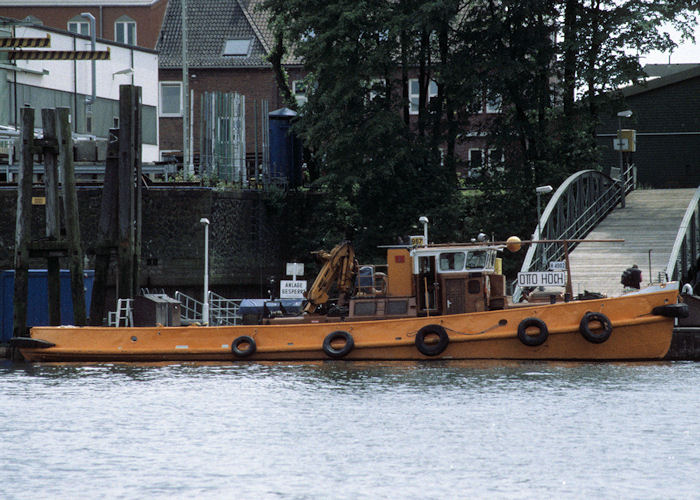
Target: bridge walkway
{"x": 650, "y": 221}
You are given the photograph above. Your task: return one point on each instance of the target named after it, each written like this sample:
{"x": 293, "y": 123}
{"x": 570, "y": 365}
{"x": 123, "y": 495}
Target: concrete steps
{"x": 649, "y": 221}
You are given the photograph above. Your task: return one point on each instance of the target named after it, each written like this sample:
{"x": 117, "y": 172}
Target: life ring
{"x": 343, "y": 351}
{"x": 243, "y": 353}
{"x": 589, "y": 334}
{"x": 533, "y": 340}
{"x": 432, "y": 349}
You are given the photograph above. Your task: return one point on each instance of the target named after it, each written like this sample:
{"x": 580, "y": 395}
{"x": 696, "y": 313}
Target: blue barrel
{"x": 286, "y": 152}
{"x": 38, "y": 295}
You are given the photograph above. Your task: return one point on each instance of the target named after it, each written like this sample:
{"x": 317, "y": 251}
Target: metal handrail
{"x": 190, "y": 310}
{"x": 685, "y": 247}
{"x": 223, "y": 311}
{"x": 578, "y": 220}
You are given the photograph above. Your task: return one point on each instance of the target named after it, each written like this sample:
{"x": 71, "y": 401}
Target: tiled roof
{"x": 209, "y": 24}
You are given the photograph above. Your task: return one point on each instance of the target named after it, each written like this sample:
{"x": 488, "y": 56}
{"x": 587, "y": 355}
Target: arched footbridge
{"x": 660, "y": 229}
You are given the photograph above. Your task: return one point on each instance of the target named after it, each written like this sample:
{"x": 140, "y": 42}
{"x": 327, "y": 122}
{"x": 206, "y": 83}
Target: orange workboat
{"x": 429, "y": 302}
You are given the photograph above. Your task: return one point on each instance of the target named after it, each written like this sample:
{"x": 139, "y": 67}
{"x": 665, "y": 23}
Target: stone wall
{"x": 244, "y": 251}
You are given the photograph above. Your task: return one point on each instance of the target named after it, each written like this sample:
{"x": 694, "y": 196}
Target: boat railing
{"x": 190, "y": 308}
{"x": 577, "y": 206}
{"x": 223, "y": 311}
{"x": 684, "y": 255}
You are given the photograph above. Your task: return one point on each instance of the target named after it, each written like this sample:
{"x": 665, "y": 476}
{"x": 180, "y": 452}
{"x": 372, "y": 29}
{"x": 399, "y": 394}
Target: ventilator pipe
{"x": 91, "y": 99}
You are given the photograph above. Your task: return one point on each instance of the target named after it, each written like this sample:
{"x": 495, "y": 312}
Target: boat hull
{"x": 637, "y": 334}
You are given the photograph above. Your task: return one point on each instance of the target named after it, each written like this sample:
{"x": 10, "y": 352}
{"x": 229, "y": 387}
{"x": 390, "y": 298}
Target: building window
{"x": 493, "y": 104}
{"x": 79, "y": 27}
{"x": 481, "y": 158}
{"x": 299, "y": 91}
{"x": 238, "y": 47}
{"x": 414, "y": 94}
{"x": 476, "y": 158}
{"x": 125, "y": 30}
{"x": 170, "y": 98}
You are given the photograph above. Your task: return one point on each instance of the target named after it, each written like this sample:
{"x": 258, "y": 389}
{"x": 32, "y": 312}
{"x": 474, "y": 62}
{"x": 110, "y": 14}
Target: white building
{"x": 56, "y": 83}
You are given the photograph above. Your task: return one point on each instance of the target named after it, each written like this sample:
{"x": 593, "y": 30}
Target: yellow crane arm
{"x": 338, "y": 268}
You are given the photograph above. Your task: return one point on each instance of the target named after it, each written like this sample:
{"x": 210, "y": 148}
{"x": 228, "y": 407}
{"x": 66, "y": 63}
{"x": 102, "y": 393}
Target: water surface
{"x": 350, "y": 430}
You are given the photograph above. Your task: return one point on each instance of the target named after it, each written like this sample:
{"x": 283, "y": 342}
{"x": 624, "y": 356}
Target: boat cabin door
{"x": 426, "y": 286}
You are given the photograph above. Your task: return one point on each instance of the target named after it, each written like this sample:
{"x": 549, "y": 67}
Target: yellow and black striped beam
{"x": 59, "y": 55}
{"x": 37, "y": 43}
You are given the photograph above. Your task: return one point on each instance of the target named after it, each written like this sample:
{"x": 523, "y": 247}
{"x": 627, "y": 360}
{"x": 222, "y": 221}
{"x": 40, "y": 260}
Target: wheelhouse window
{"x": 125, "y": 30}
{"x": 480, "y": 259}
{"x": 452, "y": 261}
{"x": 171, "y": 99}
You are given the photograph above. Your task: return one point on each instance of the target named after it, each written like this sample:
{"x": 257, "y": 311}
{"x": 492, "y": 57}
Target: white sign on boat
{"x": 292, "y": 289}
{"x": 557, "y": 265}
{"x": 542, "y": 278}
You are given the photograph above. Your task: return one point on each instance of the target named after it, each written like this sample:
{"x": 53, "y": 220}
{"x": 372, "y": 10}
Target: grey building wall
{"x": 667, "y": 121}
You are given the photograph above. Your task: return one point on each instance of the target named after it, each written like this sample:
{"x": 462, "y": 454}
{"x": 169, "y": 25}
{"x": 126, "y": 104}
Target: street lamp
{"x": 623, "y": 174}
{"x": 540, "y": 191}
{"x": 205, "y": 304}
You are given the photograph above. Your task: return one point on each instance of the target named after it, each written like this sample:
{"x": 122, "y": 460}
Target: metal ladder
{"x": 123, "y": 313}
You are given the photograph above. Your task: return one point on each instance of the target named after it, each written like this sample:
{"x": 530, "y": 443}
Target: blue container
{"x": 286, "y": 152}
{"x": 38, "y": 299}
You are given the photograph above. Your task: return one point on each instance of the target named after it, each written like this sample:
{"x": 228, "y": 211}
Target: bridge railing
{"x": 576, "y": 207}
{"x": 684, "y": 255}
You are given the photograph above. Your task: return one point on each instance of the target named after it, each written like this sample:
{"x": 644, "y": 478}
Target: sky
{"x": 685, "y": 53}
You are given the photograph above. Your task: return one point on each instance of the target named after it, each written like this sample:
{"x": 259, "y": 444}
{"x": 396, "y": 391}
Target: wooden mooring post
{"x": 57, "y": 148}
{"x": 119, "y": 229}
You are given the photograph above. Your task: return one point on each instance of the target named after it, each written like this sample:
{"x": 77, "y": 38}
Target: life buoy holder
{"x": 432, "y": 349}
{"x": 533, "y": 340}
{"x": 243, "y": 353}
{"x": 599, "y": 335}
{"x": 333, "y": 352}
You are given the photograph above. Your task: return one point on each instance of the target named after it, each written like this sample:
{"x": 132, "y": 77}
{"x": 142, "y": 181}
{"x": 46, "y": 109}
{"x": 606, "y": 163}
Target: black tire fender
{"x": 432, "y": 349}
{"x": 679, "y": 310}
{"x": 589, "y": 334}
{"x": 243, "y": 353}
{"x": 331, "y": 351}
{"x": 533, "y": 340}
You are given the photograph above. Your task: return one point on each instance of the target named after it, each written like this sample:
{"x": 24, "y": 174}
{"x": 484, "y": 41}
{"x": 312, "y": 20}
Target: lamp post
{"x": 623, "y": 174}
{"x": 540, "y": 191}
{"x": 205, "y": 303}
{"x": 424, "y": 220}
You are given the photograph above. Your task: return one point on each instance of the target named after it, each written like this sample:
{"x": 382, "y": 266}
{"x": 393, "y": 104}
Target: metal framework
{"x": 577, "y": 206}
{"x": 222, "y": 136}
{"x": 684, "y": 255}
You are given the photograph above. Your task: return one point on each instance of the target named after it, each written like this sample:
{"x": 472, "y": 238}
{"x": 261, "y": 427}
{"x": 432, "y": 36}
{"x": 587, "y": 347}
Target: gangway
{"x": 660, "y": 229}
{"x": 649, "y": 224}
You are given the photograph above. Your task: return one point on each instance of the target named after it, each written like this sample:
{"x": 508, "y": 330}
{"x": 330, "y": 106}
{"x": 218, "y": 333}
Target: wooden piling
{"x": 70, "y": 209}
{"x": 23, "y": 222}
{"x": 53, "y": 214}
{"x": 106, "y": 229}
{"x": 125, "y": 252}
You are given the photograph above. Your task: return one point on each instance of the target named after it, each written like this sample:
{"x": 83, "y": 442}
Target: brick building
{"x": 667, "y": 123}
{"x": 227, "y": 45}
{"x": 131, "y": 22}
